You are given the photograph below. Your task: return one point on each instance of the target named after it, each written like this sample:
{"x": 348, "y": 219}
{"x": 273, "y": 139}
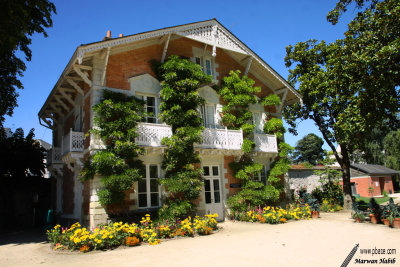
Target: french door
{"x": 212, "y": 191}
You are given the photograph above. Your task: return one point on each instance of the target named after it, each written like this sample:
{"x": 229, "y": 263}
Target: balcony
{"x": 54, "y": 156}
{"x": 266, "y": 143}
{"x": 72, "y": 150}
{"x": 151, "y": 135}
{"x": 73, "y": 142}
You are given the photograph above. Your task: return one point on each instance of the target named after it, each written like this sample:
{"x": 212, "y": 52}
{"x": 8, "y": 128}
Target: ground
{"x": 326, "y": 241}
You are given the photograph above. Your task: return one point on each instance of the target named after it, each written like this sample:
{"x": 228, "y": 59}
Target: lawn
{"x": 379, "y": 200}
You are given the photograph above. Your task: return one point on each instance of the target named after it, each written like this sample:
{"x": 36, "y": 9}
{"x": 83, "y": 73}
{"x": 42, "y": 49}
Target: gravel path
{"x": 320, "y": 242}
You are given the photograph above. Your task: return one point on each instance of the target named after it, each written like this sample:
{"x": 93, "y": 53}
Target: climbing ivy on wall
{"x": 116, "y": 118}
{"x": 238, "y": 92}
{"x": 179, "y": 108}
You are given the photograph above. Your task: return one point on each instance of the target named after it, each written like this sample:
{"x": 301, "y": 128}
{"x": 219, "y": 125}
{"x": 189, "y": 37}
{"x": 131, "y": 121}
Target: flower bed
{"x": 274, "y": 215}
{"x": 123, "y": 234}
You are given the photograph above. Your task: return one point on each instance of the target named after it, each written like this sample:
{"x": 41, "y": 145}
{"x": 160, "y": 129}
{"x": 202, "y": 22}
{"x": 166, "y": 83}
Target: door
{"x": 212, "y": 191}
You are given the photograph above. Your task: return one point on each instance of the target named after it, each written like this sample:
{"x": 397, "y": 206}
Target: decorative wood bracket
{"x": 248, "y": 65}
{"x": 67, "y": 97}
{"x": 58, "y": 99}
{"x": 78, "y": 69}
{"x": 214, "y": 34}
{"x": 165, "y": 48}
{"x": 75, "y": 85}
{"x": 103, "y": 77}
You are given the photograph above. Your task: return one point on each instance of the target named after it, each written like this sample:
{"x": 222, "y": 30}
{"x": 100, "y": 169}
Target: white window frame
{"x": 148, "y": 193}
{"x": 156, "y": 107}
{"x": 203, "y": 112}
{"x": 203, "y": 59}
{"x": 259, "y": 122}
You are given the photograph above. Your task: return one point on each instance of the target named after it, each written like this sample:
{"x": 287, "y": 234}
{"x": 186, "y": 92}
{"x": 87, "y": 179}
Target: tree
{"x": 21, "y": 157}
{"x": 352, "y": 84}
{"x": 19, "y": 20}
{"x": 309, "y": 149}
{"x": 392, "y": 150}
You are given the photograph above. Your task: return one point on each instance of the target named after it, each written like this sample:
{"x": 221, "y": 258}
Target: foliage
{"x": 117, "y": 116}
{"x": 309, "y": 149}
{"x": 391, "y": 145}
{"x": 328, "y": 173}
{"x": 21, "y": 156}
{"x": 331, "y": 190}
{"x": 275, "y": 126}
{"x": 308, "y": 199}
{"x": 374, "y": 208}
{"x": 179, "y": 108}
{"x": 238, "y": 92}
{"x": 390, "y": 211}
{"x": 329, "y": 205}
{"x": 356, "y": 213}
{"x": 338, "y": 80}
{"x": 19, "y": 21}
{"x": 118, "y": 233}
{"x": 273, "y": 215}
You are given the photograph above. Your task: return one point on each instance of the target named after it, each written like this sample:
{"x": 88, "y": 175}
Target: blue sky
{"x": 266, "y": 26}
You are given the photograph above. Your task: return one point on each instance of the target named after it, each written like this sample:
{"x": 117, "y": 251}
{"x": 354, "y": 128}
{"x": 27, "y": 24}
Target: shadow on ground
{"x": 20, "y": 237}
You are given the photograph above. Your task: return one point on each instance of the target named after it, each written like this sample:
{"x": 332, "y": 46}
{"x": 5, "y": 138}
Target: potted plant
{"x": 314, "y": 207}
{"x": 375, "y": 211}
{"x": 391, "y": 215}
{"x": 357, "y": 214}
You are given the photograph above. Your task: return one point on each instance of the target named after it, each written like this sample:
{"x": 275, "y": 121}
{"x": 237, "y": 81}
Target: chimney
{"x": 121, "y": 35}
{"x": 108, "y": 36}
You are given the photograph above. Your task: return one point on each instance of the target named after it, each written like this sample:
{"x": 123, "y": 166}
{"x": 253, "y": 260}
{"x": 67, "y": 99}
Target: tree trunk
{"x": 345, "y": 164}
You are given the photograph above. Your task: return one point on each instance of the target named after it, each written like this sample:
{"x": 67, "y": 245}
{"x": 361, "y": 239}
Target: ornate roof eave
{"x": 210, "y": 32}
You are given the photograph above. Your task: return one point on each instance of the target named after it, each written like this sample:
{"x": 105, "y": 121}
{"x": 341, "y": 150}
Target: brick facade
{"x": 378, "y": 184}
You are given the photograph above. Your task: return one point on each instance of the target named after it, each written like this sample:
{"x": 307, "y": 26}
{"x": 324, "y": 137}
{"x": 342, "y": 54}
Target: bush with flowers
{"x": 329, "y": 205}
{"x": 274, "y": 215}
{"x": 116, "y": 234}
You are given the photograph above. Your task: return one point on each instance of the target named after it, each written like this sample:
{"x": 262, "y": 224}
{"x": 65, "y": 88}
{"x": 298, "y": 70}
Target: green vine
{"x": 179, "y": 108}
{"x": 238, "y": 93}
{"x": 117, "y": 116}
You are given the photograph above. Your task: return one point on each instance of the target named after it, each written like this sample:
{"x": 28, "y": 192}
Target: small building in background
{"x": 369, "y": 180}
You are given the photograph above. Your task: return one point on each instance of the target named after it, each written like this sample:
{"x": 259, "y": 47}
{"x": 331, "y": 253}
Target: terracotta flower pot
{"x": 374, "y": 218}
{"x": 315, "y": 214}
{"x": 386, "y": 222}
{"x": 358, "y": 220}
{"x": 396, "y": 223}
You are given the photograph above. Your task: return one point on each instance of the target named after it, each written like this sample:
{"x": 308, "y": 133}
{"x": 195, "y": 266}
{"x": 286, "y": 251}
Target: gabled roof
{"x": 371, "y": 169}
{"x": 209, "y": 32}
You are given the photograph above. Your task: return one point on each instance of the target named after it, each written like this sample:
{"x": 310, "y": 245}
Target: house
{"x": 122, "y": 64}
{"x": 370, "y": 180}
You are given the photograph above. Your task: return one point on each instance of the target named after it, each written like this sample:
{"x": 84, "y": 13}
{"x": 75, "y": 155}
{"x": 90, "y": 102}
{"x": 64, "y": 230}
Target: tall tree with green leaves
{"x": 19, "y": 20}
{"x": 352, "y": 84}
{"x": 391, "y": 145}
{"x": 309, "y": 149}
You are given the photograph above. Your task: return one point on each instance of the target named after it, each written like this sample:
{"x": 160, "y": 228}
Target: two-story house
{"x": 122, "y": 64}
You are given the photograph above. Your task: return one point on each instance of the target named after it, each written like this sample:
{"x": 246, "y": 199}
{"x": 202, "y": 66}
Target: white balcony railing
{"x": 222, "y": 139}
{"x": 266, "y": 143}
{"x": 54, "y": 156}
{"x": 151, "y": 135}
{"x": 73, "y": 142}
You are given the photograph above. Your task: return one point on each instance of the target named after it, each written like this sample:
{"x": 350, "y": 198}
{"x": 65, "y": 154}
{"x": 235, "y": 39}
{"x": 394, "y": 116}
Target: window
{"x": 207, "y": 64}
{"x": 148, "y": 188}
{"x": 208, "y": 116}
{"x": 151, "y": 107}
{"x": 262, "y": 176}
{"x": 257, "y": 120}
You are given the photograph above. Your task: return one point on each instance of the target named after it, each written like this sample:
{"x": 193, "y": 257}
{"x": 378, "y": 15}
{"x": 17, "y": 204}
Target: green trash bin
{"x": 50, "y": 219}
